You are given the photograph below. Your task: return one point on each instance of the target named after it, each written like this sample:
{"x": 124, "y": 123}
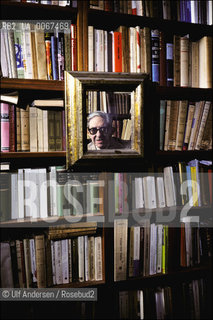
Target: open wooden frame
{"x": 76, "y": 86}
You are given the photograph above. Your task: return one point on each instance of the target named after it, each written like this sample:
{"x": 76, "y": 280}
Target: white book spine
{"x": 53, "y": 191}
{"x": 33, "y": 259}
{"x": 7, "y": 49}
{"x": 58, "y": 262}
{"x": 65, "y": 261}
{"x": 149, "y": 192}
{"x": 81, "y": 258}
{"x": 169, "y": 187}
{"x": 27, "y": 52}
{"x": 105, "y": 51}
{"x": 139, "y": 197}
{"x": 43, "y": 192}
{"x": 91, "y": 48}
{"x": 28, "y": 193}
{"x": 20, "y": 193}
{"x": 86, "y": 251}
{"x": 14, "y": 195}
{"x": 4, "y": 57}
{"x": 159, "y": 248}
{"x": 161, "y": 202}
{"x": 98, "y": 259}
{"x": 12, "y": 56}
{"x": 35, "y": 180}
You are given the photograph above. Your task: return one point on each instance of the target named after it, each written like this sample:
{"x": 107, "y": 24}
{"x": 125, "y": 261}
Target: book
{"x": 182, "y": 112}
{"x": 40, "y": 54}
{"x": 196, "y": 123}
{"x": 207, "y": 134}
{"x": 5, "y": 127}
{"x": 98, "y": 259}
{"x": 205, "y": 62}
{"x": 120, "y": 249}
{"x": 117, "y": 51}
{"x": 155, "y": 55}
{"x": 184, "y": 61}
{"x": 149, "y": 192}
{"x": 202, "y": 125}
{"x": 169, "y": 187}
{"x": 40, "y": 260}
{"x": 188, "y": 125}
{"x": 6, "y": 266}
{"x": 176, "y": 60}
{"x": 169, "y": 64}
{"x": 173, "y": 122}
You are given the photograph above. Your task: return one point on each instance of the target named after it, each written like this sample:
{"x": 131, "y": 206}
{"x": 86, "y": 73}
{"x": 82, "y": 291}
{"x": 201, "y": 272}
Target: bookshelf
{"x": 179, "y": 280}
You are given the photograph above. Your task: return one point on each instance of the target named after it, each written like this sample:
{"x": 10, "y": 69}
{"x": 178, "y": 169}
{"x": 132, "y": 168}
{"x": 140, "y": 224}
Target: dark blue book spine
{"x": 169, "y": 65}
{"x": 54, "y": 58}
{"x": 155, "y": 55}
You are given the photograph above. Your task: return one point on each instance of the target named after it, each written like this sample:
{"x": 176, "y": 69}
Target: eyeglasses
{"x": 103, "y": 130}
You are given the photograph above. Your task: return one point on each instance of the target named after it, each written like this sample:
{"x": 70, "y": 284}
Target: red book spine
{"x": 12, "y": 133}
{"x": 74, "y": 47}
{"x": 5, "y": 128}
{"x": 117, "y": 51}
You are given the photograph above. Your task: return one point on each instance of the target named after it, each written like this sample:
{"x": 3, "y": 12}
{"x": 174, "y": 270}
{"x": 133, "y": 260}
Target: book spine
{"x": 155, "y": 56}
{"x": 48, "y": 55}
{"x": 5, "y": 127}
{"x": 169, "y": 64}
{"x": 117, "y": 51}
{"x": 73, "y": 47}
{"x": 184, "y": 61}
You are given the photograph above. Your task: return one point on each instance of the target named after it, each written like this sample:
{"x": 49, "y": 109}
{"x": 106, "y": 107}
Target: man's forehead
{"x": 97, "y": 120}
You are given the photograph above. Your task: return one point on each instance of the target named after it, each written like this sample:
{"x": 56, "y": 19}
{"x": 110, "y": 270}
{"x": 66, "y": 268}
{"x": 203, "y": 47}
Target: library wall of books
{"x": 121, "y": 232}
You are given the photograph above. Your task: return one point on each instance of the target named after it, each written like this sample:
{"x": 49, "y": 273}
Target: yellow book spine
{"x": 194, "y": 187}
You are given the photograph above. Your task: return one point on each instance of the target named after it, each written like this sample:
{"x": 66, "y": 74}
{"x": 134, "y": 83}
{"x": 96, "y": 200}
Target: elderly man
{"x": 100, "y": 131}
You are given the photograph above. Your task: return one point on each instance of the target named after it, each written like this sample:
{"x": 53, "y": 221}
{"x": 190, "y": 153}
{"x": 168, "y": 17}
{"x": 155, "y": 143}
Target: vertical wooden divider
{"x": 85, "y": 35}
{"x": 80, "y": 49}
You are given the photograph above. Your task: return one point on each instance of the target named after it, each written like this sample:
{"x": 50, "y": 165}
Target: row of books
{"x": 32, "y": 53}
{"x": 39, "y": 262}
{"x": 185, "y": 125}
{"x": 118, "y": 104}
{"x": 62, "y": 3}
{"x": 179, "y": 61}
{"x": 31, "y": 129}
{"x": 182, "y": 10}
{"x": 184, "y": 183}
{"x": 166, "y": 302}
{"x": 110, "y": 102}
{"x": 41, "y": 193}
{"x": 147, "y": 248}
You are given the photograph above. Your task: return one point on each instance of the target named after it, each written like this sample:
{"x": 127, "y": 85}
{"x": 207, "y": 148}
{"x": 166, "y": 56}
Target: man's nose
{"x": 98, "y": 134}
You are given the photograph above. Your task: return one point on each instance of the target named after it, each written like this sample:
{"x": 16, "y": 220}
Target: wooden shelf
{"x": 110, "y": 20}
{"x": 31, "y": 84}
{"x": 26, "y": 10}
{"x": 84, "y": 284}
{"x": 17, "y": 155}
{"x": 175, "y": 156}
{"x": 160, "y": 279}
{"x": 54, "y": 220}
{"x": 194, "y": 94}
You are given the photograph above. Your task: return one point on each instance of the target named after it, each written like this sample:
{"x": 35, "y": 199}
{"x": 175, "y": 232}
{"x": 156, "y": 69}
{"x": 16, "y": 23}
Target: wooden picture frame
{"x": 77, "y": 84}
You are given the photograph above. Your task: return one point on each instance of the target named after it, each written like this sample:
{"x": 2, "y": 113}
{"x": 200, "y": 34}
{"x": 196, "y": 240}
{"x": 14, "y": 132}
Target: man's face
{"x": 101, "y": 138}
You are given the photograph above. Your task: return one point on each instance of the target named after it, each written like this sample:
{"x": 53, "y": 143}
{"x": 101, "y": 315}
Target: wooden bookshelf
{"x": 28, "y": 90}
